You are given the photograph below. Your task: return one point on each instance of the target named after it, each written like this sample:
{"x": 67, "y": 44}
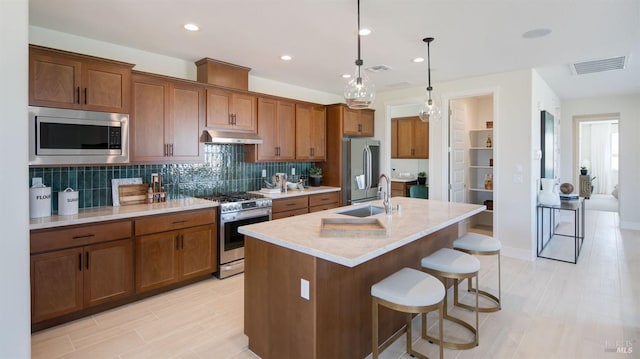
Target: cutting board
{"x": 133, "y": 194}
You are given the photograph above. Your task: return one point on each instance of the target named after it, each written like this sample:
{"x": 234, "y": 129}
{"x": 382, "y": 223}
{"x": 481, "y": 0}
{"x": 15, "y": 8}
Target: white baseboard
{"x": 634, "y": 226}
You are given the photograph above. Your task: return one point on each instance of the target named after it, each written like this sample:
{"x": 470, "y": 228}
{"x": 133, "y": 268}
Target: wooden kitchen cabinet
{"x": 277, "y": 128}
{"x": 358, "y": 122}
{"x": 78, "y": 267}
{"x": 228, "y": 110}
{"x": 323, "y": 201}
{"x": 310, "y": 131}
{"x": 166, "y": 118}
{"x": 67, "y": 80}
{"x": 289, "y": 207}
{"x": 409, "y": 138}
{"x": 401, "y": 189}
{"x": 174, "y": 247}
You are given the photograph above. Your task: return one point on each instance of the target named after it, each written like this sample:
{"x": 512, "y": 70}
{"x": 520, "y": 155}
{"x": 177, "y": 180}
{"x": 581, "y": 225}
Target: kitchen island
{"x": 308, "y": 296}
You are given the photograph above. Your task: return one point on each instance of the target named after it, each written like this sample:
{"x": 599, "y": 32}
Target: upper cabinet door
{"x": 149, "y": 131}
{"x": 54, "y": 81}
{"x": 227, "y": 110}
{"x": 358, "y": 122}
{"x": 187, "y": 118}
{"x": 61, "y": 80}
{"x": 409, "y": 138}
{"x": 105, "y": 87}
{"x": 310, "y": 132}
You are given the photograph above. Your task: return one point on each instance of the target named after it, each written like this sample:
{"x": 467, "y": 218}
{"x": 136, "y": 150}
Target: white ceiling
{"x": 472, "y": 37}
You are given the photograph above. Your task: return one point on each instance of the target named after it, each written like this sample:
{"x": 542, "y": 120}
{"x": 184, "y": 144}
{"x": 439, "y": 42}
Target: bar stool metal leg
{"x": 479, "y": 244}
{"x": 448, "y": 263}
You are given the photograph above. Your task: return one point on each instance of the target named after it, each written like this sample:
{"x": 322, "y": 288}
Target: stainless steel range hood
{"x": 210, "y": 136}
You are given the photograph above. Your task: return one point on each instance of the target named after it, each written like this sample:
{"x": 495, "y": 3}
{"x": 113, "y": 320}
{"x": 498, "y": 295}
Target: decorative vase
{"x": 583, "y": 172}
{"x": 549, "y": 196}
{"x": 422, "y": 180}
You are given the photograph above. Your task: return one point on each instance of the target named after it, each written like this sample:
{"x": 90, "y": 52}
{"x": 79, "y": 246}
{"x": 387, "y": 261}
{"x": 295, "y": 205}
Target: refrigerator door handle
{"x": 367, "y": 161}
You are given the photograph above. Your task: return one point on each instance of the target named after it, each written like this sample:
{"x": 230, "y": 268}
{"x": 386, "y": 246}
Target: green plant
{"x": 315, "y": 171}
{"x": 422, "y": 174}
{"x": 583, "y": 167}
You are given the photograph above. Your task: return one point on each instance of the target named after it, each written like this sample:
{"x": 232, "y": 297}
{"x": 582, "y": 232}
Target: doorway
{"x": 597, "y": 150}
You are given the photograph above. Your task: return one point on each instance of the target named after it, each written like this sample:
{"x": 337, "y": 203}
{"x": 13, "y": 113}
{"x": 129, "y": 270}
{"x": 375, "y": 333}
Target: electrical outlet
{"x": 293, "y": 171}
{"x": 264, "y": 173}
{"x": 304, "y": 288}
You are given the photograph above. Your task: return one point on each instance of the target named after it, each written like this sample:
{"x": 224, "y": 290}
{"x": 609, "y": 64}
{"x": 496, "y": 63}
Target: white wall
{"x": 629, "y": 109}
{"x": 513, "y": 123}
{"x": 165, "y": 65}
{"x": 15, "y": 322}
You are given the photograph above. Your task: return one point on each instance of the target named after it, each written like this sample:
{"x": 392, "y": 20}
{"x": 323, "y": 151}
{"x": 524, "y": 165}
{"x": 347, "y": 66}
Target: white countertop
{"x": 417, "y": 218}
{"x": 404, "y": 179}
{"x": 90, "y": 215}
{"x": 293, "y": 193}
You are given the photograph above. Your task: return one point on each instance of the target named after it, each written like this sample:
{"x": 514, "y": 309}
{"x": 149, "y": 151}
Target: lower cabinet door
{"x": 197, "y": 251}
{"x": 108, "y": 273}
{"x": 156, "y": 260}
{"x": 56, "y": 283}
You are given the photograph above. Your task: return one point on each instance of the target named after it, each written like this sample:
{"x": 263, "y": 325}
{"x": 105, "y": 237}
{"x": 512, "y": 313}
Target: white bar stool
{"x": 456, "y": 265}
{"x": 480, "y": 244}
{"x": 410, "y": 291}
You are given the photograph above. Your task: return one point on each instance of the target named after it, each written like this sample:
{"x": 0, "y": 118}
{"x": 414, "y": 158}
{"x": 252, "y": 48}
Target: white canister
{"x": 67, "y": 202}
{"x": 39, "y": 199}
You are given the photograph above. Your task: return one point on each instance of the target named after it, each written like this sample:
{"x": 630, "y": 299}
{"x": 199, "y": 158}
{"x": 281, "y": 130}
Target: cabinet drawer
{"x": 323, "y": 198}
{"x": 287, "y": 204}
{"x": 322, "y": 207}
{"x": 294, "y": 212}
{"x": 168, "y": 222}
{"x": 75, "y": 236}
{"x": 397, "y": 186}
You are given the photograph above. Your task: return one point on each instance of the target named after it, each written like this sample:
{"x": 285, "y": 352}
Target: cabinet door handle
{"x": 79, "y": 262}
{"x": 78, "y": 95}
{"x": 172, "y": 150}
{"x": 182, "y": 241}
{"x": 359, "y": 127}
{"x": 177, "y": 242}
{"x": 87, "y": 260}
{"x": 86, "y": 236}
{"x": 85, "y": 95}
{"x": 179, "y": 222}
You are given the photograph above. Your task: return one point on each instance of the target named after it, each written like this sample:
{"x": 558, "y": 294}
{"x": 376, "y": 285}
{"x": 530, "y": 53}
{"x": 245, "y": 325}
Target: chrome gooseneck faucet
{"x": 386, "y": 202}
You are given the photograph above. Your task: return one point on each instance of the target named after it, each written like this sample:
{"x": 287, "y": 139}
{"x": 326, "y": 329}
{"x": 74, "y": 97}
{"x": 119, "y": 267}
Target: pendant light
{"x": 429, "y": 110}
{"x": 360, "y": 92}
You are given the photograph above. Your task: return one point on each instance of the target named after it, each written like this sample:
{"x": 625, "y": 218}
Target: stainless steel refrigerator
{"x": 361, "y": 161}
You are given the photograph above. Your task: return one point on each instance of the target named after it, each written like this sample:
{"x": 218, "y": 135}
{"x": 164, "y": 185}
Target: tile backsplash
{"x": 223, "y": 170}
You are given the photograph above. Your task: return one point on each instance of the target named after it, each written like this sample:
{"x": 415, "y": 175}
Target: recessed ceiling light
{"x": 346, "y": 76}
{"x": 365, "y": 31}
{"x": 285, "y": 57}
{"x": 191, "y": 27}
{"x": 536, "y": 33}
{"x": 418, "y": 59}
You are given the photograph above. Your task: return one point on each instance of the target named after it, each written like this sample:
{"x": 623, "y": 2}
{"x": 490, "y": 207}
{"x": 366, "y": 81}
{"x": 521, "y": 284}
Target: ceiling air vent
{"x": 589, "y": 67}
{"x": 378, "y": 68}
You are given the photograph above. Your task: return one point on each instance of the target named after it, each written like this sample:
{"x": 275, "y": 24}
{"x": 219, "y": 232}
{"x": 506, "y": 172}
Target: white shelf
{"x": 481, "y": 148}
{"x": 482, "y": 167}
{"x": 481, "y": 130}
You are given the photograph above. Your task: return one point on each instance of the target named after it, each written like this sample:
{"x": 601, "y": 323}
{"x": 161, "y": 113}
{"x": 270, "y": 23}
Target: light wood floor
{"x": 550, "y": 310}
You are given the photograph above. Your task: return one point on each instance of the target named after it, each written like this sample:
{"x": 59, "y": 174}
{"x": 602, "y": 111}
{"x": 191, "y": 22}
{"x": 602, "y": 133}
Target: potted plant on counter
{"x": 315, "y": 176}
{"x": 422, "y": 178}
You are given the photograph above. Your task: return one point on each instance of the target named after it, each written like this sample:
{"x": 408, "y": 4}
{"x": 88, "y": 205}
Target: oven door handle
{"x": 229, "y": 217}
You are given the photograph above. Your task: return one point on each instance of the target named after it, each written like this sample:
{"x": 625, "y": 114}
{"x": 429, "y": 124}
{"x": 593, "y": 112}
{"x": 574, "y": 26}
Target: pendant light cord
{"x": 359, "y": 61}
{"x": 428, "y": 41}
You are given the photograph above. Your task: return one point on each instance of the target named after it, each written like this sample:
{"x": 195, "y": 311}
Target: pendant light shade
{"x": 360, "y": 91}
{"x": 429, "y": 110}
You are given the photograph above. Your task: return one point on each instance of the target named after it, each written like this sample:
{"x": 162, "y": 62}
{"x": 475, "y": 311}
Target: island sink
{"x": 363, "y": 211}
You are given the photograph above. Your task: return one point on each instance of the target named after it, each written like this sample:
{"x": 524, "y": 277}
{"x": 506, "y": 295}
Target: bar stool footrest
{"x": 452, "y": 345}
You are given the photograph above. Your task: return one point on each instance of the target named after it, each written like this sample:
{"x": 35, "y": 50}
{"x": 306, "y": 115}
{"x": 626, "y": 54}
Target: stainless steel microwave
{"x": 61, "y": 137}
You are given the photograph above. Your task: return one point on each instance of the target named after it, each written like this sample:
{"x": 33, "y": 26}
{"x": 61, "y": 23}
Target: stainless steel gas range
{"x": 237, "y": 209}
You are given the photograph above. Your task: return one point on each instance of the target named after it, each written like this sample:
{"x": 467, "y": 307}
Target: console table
{"x": 549, "y": 213}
